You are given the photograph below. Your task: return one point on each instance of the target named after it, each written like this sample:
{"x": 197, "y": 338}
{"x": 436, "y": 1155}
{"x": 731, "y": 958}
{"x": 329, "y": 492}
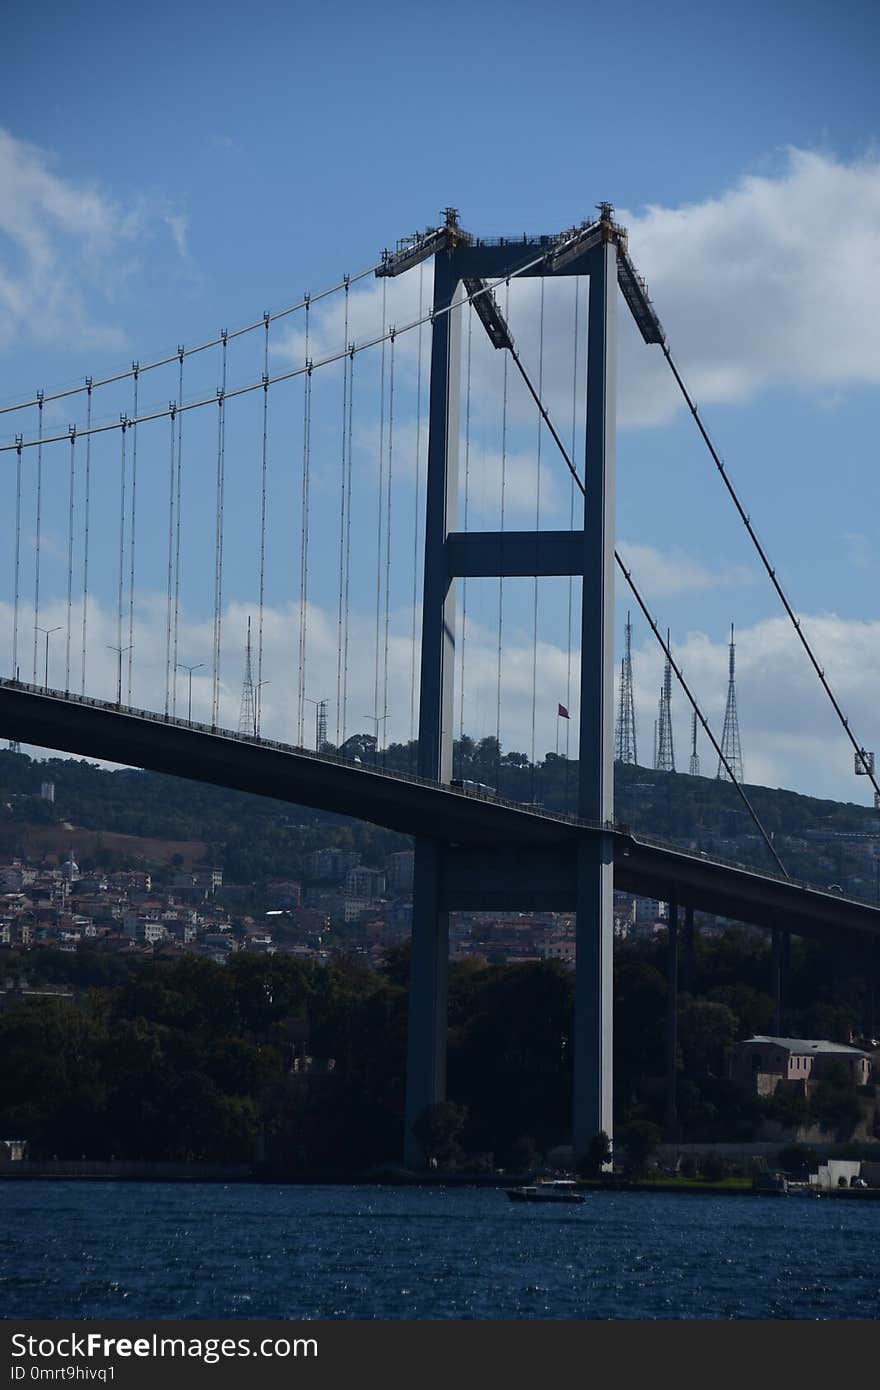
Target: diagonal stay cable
{"x": 771, "y": 572}
{"x": 654, "y": 627}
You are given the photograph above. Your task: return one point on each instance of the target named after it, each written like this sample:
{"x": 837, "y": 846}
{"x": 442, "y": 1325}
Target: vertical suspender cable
{"x": 380, "y": 516}
{"x": 347, "y": 546}
{"x": 70, "y": 494}
{"x": 388, "y": 537}
{"x": 174, "y": 647}
{"x": 18, "y": 441}
{"x": 122, "y": 468}
{"x": 416, "y": 518}
{"x": 131, "y": 536}
{"x": 346, "y": 361}
{"x": 501, "y": 578}
{"x": 574, "y": 398}
{"x": 218, "y": 549}
{"x": 38, "y": 528}
{"x": 537, "y": 528}
{"x": 467, "y": 478}
{"x": 86, "y": 523}
{"x": 169, "y": 612}
{"x": 263, "y": 499}
{"x": 304, "y": 541}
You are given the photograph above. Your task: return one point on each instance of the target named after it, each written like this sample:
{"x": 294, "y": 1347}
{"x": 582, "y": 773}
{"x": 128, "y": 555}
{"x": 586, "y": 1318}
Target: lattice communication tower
{"x": 625, "y": 750}
{"x": 730, "y": 745}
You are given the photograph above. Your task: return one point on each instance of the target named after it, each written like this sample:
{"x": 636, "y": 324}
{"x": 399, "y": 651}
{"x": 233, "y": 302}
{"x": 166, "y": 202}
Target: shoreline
{"x": 225, "y": 1175}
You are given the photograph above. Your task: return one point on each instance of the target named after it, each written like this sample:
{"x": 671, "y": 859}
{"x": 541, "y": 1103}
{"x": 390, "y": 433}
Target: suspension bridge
{"x": 369, "y": 418}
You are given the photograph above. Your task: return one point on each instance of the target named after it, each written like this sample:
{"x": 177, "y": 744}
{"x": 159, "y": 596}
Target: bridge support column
{"x": 426, "y": 1041}
{"x": 592, "y": 1101}
{"x": 778, "y": 963}
{"x": 429, "y": 970}
{"x": 671, "y": 1115}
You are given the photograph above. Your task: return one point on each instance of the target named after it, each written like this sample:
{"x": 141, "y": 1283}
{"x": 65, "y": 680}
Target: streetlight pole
{"x": 184, "y": 667}
{"x": 317, "y": 704}
{"x": 119, "y": 652}
{"x": 48, "y": 631}
{"x": 258, "y": 706}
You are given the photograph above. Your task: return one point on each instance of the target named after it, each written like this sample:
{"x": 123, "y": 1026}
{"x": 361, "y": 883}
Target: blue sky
{"x": 174, "y": 171}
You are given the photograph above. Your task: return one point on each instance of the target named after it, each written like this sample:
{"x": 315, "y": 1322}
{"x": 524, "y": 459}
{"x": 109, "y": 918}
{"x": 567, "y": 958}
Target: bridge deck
{"x": 500, "y": 854}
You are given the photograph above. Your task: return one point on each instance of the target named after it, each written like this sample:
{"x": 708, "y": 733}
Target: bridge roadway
{"x": 497, "y": 854}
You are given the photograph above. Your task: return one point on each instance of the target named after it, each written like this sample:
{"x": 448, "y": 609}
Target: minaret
{"x": 665, "y": 761}
{"x": 625, "y": 732}
{"x": 694, "y": 765}
{"x": 247, "y": 718}
{"x": 730, "y": 746}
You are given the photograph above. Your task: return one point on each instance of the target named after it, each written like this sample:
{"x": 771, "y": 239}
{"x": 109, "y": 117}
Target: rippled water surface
{"x": 123, "y": 1250}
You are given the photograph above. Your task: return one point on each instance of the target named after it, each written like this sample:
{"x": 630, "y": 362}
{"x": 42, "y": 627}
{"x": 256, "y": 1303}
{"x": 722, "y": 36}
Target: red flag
{"x": 563, "y": 713}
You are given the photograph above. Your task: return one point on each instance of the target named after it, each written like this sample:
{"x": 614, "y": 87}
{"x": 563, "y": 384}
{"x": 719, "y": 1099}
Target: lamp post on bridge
{"x": 120, "y": 651}
{"x": 48, "y": 631}
{"x": 184, "y": 667}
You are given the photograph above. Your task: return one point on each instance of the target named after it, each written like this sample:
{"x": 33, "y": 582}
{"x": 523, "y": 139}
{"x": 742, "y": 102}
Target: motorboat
{"x": 553, "y": 1190}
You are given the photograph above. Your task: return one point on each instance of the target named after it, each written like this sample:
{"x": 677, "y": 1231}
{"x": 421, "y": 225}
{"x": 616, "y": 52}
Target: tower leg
{"x": 429, "y": 970}
{"x": 592, "y": 1101}
{"x": 426, "y": 1043}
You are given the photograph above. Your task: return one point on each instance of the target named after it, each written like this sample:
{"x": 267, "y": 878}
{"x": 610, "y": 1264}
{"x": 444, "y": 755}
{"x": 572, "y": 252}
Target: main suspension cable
{"x": 314, "y": 365}
{"x": 200, "y": 347}
{"x": 771, "y": 572}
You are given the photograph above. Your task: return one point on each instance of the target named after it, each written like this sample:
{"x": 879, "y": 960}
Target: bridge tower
{"x": 599, "y": 251}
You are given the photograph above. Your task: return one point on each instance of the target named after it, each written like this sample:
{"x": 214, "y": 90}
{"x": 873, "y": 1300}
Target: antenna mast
{"x": 247, "y": 718}
{"x": 625, "y": 733}
{"x": 665, "y": 760}
{"x": 694, "y": 765}
{"x": 730, "y": 745}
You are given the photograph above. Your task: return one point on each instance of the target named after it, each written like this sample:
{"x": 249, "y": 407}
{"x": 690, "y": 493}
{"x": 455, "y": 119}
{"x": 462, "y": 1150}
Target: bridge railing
{"x": 412, "y": 778}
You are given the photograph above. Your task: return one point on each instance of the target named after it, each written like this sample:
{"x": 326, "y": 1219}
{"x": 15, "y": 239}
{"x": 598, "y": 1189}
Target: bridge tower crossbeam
{"x": 450, "y": 555}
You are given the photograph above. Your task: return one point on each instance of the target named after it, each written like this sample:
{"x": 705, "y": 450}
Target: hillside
{"x": 255, "y": 837}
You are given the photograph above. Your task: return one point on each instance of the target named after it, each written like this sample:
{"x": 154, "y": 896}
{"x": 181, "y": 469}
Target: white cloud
{"x": 663, "y": 573}
{"x": 790, "y": 736}
{"x": 66, "y": 251}
{"x": 774, "y": 282}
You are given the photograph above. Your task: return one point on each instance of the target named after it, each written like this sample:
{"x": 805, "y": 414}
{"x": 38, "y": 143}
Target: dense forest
{"x": 190, "y": 1060}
